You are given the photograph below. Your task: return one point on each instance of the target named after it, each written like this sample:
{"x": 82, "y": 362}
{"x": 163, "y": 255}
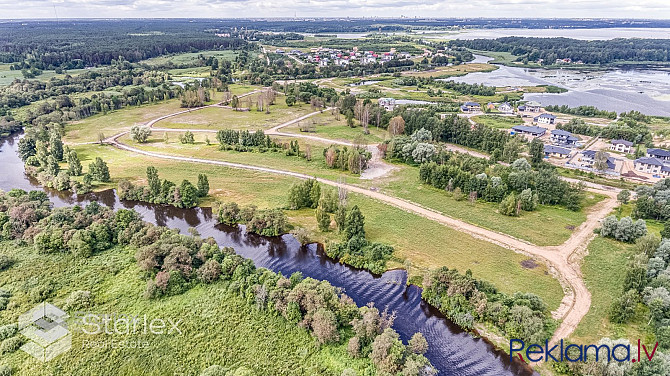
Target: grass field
{"x": 453, "y": 70}
{"x": 190, "y": 57}
{"x": 327, "y": 126}
{"x": 431, "y": 246}
{"x": 497, "y": 121}
{"x": 218, "y": 327}
{"x": 7, "y": 76}
{"x": 604, "y": 270}
{"x": 225, "y": 118}
{"x": 548, "y": 225}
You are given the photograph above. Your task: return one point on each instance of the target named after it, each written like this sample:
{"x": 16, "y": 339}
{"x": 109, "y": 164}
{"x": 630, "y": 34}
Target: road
{"x": 564, "y": 259}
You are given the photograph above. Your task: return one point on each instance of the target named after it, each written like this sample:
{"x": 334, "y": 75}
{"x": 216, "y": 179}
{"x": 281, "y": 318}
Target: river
{"x": 451, "y": 350}
{"x": 620, "y": 90}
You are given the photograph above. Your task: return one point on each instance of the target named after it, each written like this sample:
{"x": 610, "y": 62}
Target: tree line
{"x": 186, "y": 195}
{"x": 625, "y": 129}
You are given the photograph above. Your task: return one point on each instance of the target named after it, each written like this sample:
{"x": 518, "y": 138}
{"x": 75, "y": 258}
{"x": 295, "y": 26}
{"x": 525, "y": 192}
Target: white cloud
{"x": 336, "y": 8}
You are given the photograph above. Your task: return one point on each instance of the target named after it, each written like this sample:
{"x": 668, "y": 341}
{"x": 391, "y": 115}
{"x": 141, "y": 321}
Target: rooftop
{"x": 556, "y": 149}
{"x": 648, "y": 160}
{"x": 624, "y": 142}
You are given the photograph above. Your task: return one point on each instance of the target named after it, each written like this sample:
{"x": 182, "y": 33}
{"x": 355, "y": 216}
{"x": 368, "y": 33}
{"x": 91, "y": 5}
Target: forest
{"x": 586, "y": 51}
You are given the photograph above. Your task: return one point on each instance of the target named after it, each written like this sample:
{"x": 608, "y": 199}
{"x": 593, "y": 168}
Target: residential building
{"x": 387, "y": 103}
{"x": 649, "y": 165}
{"x": 545, "y": 119}
{"x": 588, "y": 157}
{"x": 529, "y": 130}
{"x": 556, "y": 151}
{"x": 506, "y": 108}
{"x": 621, "y": 146}
{"x": 470, "y": 107}
{"x": 533, "y": 106}
{"x": 563, "y": 138}
{"x": 661, "y": 154}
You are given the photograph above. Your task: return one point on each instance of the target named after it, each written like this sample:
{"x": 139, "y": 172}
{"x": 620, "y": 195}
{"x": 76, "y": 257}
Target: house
{"x": 506, "y": 108}
{"x": 622, "y": 146}
{"x": 387, "y": 103}
{"x": 470, "y": 107}
{"x": 530, "y": 130}
{"x": 522, "y": 108}
{"x": 491, "y": 106}
{"x": 404, "y": 55}
{"x": 649, "y": 165}
{"x": 588, "y": 158}
{"x": 660, "y": 154}
{"x": 556, "y": 151}
{"x": 545, "y": 119}
{"x": 561, "y": 137}
{"x": 533, "y": 106}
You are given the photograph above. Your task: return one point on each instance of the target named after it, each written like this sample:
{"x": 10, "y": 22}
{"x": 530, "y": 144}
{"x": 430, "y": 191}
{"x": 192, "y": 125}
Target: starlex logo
{"x": 620, "y": 352}
{"x": 45, "y": 328}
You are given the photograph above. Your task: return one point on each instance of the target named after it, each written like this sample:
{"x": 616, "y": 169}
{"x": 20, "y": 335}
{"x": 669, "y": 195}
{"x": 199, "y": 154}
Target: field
{"x": 189, "y": 58}
{"x": 548, "y": 225}
{"x": 604, "y": 270}
{"x": 225, "y": 118}
{"x": 432, "y": 246}
{"x": 453, "y": 70}
{"x": 327, "y": 126}
{"x": 7, "y": 76}
{"x": 497, "y": 121}
{"x": 218, "y": 327}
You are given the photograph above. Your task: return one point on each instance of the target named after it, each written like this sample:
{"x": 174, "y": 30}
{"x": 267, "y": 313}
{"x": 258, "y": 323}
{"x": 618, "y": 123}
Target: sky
{"x": 335, "y": 8}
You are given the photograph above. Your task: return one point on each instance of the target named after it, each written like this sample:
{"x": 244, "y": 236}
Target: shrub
{"x": 5, "y": 370}
{"x": 7, "y": 331}
{"x": 210, "y": 271}
{"x": 214, "y": 370}
{"x": 302, "y": 235}
{"x": 10, "y": 345}
{"x": 78, "y": 299}
{"x": 42, "y": 292}
{"x": 5, "y": 262}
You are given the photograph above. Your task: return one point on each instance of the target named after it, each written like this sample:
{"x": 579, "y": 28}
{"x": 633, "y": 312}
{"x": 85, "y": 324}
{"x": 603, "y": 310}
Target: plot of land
{"x": 453, "y": 70}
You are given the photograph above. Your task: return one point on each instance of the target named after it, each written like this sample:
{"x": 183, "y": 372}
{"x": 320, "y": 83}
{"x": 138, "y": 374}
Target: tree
{"x": 324, "y": 326}
{"x": 235, "y": 102}
{"x": 73, "y": 163}
{"x": 189, "y": 194}
{"x": 290, "y": 100}
{"x": 154, "y": 181}
{"x": 396, "y": 126}
{"x": 511, "y": 149}
{"x": 528, "y": 200}
{"x": 509, "y": 206}
{"x": 203, "y": 185}
{"x": 623, "y": 196}
{"x": 536, "y": 151}
{"x": 354, "y": 224}
{"x": 418, "y": 344}
{"x": 99, "y": 170}
{"x": 140, "y": 133}
{"x": 187, "y": 138}
{"x": 52, "y": 165}
{"x": 56, "y": 145}
{"x": 341, "y": 218}
{"x": 387, "y": 352}
{"x": 665, "y": 233}
{"x": 600, "y": 161}
{"x": 322, "y": 219}
{"x": 623, "y": 307}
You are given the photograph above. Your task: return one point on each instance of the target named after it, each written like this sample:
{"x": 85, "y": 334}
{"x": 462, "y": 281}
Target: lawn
{"x": 432, "y": 245}
{"x": 218, "y": 327}
{"x": 497, "y": 121}
{"x": 190, "y": 57}
{"x": 549, "y": 225}
{"x": 604, "y": 271}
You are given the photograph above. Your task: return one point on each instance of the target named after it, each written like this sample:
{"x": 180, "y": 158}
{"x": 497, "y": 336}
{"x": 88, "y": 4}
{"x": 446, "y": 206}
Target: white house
{"x": 387, "y": 103}
{"x": 506, "y": 108}
{"x": 533, "y": 106}
{"x": 555, "y": 151}
{"x": 545, "y": 119}
{"x": 649, "y": 165}
{"x": 621, "y": 146}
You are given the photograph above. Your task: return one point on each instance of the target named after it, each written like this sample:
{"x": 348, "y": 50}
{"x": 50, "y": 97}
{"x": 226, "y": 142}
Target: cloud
{"x": 335, "y": 8}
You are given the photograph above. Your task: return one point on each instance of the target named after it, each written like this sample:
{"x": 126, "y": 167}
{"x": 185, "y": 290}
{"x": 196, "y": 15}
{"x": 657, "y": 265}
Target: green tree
{"x": 56, "y": 145}
{"x": 73, "y": 163}
{"x": 623, "y": 196}
{"x": 154, "y": 181}
{"x": 623, "y": 307}
{"x": 290, "y": 100}
{"x": 665, "y": 233}
{"x": 341, "y": 218}
{"x": 189, "y": 194}
{"x": 99, "y": 170}
{"x": 509, "y": 206}
{"x": 536, "y": 151}
{"x": 52, "y": 165}
{"x": 203, "y": 185}
{"x": 354, "y": 224}
{"x": 322, "y": 219}
{"x": 140, "y": 133}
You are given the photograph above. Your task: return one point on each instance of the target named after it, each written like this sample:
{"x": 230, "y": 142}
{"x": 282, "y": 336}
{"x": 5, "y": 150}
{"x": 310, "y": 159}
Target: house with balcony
{"x": 545, "y": 119}
{"x": 556, "y": 151}
{"x": 622, "y": 146}
{"x": 471, "y": 107}
{"x": 660, "y": 154}
{"x": 563, "y": 138}
{"x": 506, "y": 108}
{"x": 649, "y": 165}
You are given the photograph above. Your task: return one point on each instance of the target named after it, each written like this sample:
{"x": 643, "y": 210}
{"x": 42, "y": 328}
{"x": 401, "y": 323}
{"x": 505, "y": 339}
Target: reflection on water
{"x": 614, "y": 90}
{"x": 451, "y": 350}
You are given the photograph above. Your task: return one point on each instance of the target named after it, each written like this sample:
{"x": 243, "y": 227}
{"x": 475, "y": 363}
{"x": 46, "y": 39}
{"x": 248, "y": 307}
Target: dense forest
{"x": 587, "y": 51}
{"x": 70, "y": 45}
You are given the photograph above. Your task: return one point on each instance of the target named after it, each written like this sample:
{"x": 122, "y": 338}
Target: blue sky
{"x": 336, "y": 8}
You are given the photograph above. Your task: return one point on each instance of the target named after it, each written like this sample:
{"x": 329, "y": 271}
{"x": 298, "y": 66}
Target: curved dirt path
{"x": 564, "y": 259}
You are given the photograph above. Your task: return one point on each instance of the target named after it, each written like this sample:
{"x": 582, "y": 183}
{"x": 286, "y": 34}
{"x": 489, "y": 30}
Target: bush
{"x": 5, "y": 262}
{"x": 78, "y": 299}
{"x": 5, "y": 370}
{"x": 210, "y": 271}
{"x": 42, "y": 292}
{"x": 7, "y": 331}
{"x": 214, "y": 370}
{"x": 10, "y": 345}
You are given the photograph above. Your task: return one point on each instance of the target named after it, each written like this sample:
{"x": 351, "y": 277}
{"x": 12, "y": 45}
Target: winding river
{"x": 451, "y": 350}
